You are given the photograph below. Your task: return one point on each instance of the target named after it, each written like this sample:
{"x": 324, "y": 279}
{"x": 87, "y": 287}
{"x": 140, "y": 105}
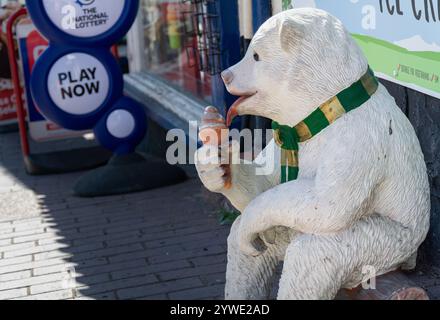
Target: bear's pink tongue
{"x": 233, "y": 110}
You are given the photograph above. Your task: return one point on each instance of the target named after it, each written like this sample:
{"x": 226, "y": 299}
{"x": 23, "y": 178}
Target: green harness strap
{"x": 288, "y": 138}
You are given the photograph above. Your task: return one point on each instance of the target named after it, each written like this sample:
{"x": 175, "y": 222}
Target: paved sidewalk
{"x": 161, "y": 244}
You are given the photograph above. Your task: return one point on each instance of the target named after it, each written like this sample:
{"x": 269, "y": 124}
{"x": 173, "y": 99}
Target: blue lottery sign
{"x": 78, "y": 85}
{"x": 80, "y": 22}
{"x": 75, "y": 87}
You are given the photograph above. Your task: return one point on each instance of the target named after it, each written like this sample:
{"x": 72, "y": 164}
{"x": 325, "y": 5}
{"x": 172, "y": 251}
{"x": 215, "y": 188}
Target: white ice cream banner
{"x": 399, "y": 37}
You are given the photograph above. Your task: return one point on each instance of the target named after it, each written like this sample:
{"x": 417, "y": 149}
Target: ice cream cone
{"x": 213, "y": 131}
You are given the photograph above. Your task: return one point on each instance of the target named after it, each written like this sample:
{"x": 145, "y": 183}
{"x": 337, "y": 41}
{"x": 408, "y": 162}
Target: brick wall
{"x": 424, "y": 113}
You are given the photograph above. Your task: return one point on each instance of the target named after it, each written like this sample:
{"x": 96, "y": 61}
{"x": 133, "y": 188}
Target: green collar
{"x": 287, "y": 138}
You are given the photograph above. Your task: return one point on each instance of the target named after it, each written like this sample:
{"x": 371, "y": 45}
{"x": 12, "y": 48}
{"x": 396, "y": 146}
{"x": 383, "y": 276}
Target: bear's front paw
{"x": 212, "y": 168}
{"x": 250, "y": 243}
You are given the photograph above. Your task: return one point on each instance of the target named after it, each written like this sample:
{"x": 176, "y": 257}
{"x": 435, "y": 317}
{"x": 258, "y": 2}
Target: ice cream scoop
{"x": 213, "y": 123}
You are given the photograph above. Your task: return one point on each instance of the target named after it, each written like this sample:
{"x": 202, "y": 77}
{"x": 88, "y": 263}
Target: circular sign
{"x": 75, "y": 88}
{"x": 123, "y": 127}
{"x": 120, "y": 123}
{"x": 84, "y": 18}
{"x": 78, "y": 83}
{"x": 83, "y": 22}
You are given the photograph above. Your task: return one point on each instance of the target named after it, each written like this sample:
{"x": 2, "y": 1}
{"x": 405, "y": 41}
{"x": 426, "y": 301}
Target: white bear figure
{"x": 362, "y": 199}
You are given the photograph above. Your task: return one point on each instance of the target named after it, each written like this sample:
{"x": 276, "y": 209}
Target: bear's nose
{"x": 227, "y": 76}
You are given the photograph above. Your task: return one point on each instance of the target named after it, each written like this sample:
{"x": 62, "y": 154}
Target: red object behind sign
{"x": 36, "y": 45}
{"x": 8, "y": 112}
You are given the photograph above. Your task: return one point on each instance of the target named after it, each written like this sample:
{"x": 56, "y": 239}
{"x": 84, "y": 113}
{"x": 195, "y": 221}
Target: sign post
{"x": 77, "y": 84}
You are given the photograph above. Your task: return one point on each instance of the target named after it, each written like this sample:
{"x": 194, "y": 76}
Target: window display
{"x": 175, "y": 33}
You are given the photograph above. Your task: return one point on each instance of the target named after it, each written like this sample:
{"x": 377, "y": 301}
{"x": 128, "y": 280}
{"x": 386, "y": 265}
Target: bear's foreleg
{"x": 251, "y": 278}
{"x": 318, "y": 266}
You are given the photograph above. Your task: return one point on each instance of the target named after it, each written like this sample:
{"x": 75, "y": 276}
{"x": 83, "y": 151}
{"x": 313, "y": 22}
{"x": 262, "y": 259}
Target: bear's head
{"x": 297, "y": 60}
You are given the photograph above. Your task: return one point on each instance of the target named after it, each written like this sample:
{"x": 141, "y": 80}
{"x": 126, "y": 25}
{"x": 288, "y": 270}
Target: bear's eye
{"x": 256, "y": 57}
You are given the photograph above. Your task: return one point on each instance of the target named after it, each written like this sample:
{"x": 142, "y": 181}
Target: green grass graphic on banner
{"x": 411, "y": 67}
{"x": 400, "y": 40}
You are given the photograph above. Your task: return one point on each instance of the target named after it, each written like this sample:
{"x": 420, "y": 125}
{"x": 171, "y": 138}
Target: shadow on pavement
{"x": 161, "y": 244}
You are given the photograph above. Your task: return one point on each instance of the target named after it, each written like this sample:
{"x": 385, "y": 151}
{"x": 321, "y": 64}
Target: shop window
{"x": 172, "y": 37}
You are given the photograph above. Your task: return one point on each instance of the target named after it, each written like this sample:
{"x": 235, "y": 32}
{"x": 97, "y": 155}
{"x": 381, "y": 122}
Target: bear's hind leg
{"x": 248, "y": 277}
{"x": 318, "y": 266}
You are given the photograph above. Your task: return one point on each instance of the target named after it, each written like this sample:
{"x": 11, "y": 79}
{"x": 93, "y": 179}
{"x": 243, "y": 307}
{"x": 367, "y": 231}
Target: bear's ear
{"x": 291, "y": 33}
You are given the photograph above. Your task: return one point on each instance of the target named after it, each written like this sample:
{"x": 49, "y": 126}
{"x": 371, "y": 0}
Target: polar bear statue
{"x": 360, "y": 200}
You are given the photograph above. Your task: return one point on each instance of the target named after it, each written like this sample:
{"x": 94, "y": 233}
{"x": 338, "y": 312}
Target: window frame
{"x": 165, "y": 103}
